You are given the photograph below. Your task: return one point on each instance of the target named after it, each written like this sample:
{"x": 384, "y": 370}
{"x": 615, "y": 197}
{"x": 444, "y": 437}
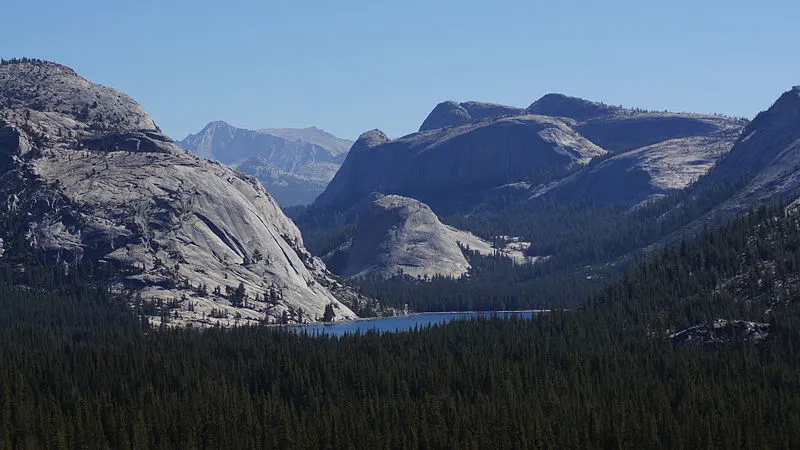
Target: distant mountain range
{"x": 294, "y": 165}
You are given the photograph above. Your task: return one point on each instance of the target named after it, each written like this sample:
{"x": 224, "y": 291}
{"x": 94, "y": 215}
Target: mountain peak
{"x": 369, "y": 139}
{"x": 446, "y": 114}
{"x": 560, "y": 105}
{"x": 123, "y": 195}
{"x": 768, "y": 151}
{"x": 403, "y": 235}
{"x": 785, "y": 113}
{"x": 48, "y": 87}
{"x": 450, "y": 113}
{"x": 26, "y": 64}
{"x": 216, "y": 125}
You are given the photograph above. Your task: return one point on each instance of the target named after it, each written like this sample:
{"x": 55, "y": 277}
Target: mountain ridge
{"x": 91, "y": 178}
{"x": 674, "y": 150}
{"x": 294, "y": 165}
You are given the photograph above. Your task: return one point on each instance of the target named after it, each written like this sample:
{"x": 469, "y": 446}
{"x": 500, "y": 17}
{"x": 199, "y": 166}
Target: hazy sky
{"x": 351, "y": 65}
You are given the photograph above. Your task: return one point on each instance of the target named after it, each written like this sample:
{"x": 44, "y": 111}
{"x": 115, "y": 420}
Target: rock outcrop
{"x": 457, "y": 161}
{"x": 294, "y": 165}
{"x": 766, "y": 158}
{"x": 643, "y": 174}
{"x": 719, "y": 332}
{"x": 560, "y": 105}
{"x": 620, "y": 129}
{"x": 95, "y": 180}
{"x": 398, "y": 235}
{"x": 469, "y": 150}
{"x": 450, "y": 114}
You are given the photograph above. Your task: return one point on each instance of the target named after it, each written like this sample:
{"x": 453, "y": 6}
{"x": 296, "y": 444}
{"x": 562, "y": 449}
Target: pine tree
{"x": 328, "y": 315}
{"x": 238, "y": 295}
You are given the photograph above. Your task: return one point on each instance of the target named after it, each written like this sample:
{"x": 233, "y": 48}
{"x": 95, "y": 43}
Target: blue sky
{"x": 351, "y": 65}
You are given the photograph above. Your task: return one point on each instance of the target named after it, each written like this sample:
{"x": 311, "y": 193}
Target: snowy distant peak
{"x": 369, "y": 139}
{"x": 450, "y": 113}
{"x": 560, "y": 105}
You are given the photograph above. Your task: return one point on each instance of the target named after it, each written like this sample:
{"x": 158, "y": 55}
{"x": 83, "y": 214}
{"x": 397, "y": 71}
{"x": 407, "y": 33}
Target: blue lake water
{"x": 402, "y": 323}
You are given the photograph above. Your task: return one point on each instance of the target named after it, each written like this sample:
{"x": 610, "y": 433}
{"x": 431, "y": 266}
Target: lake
{"x": 402, "y": 323}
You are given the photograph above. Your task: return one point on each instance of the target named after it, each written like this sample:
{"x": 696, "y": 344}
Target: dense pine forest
{"x": 81, "y": 371}
{"x": 583, "y": 245}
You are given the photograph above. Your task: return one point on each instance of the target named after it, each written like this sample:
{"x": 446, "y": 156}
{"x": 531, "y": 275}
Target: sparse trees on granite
{"x": 237, "y": 296}
{"x": 328, "y": 315}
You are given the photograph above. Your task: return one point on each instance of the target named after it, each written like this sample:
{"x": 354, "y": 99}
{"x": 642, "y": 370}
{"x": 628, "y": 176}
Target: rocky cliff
{"x": 458, "y": 160}
{"x": 450, "y": 114}
{"x": 643, "y": 174}
{"x": 399, "y": 235}
{"x": 92, "y": 178}
{"x": 620, "y": 129}
{"x": 766, "y": 157}
{"x": 294, "y": 165}
{"x": 468, "y": 150}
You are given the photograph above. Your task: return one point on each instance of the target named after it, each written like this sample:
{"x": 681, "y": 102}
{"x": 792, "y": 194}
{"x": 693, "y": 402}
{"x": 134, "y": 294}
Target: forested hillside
{"x": 79, "y": 370}
{"x": 580, "y": 246}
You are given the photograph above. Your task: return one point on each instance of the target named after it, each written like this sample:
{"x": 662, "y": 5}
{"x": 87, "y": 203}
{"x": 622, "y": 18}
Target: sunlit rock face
{"x": 766, "y": 158}
{"x": 401, "y": 236}
{"x": 97, "y": 181}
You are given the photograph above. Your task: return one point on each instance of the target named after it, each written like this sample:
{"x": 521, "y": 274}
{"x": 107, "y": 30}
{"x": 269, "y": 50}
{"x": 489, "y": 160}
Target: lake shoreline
{"x": 411, "y": 314}
{"x": 402, "y": 322}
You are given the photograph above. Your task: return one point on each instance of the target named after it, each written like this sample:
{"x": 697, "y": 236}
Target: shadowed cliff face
{"x": 467, "y": 150}
{"x": 451, "y": 114}
{"x": 458, "y": 160}
{"x": 97, "y": 181}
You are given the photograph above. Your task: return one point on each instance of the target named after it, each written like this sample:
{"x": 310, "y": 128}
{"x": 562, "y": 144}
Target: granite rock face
{"x": 766, "y": 158}
{"x": 183, "y": 232}
{"x": 399, "y": 235}
{"x": 449, "y": 114}
{"x": 472, "y": 150}
{"x": 294, "y": 165}
{"x": 620, "y": 129}
{"x": 643, "y": 174}
{"x": 458, "y": 160}
{"x": 719, "y": 332}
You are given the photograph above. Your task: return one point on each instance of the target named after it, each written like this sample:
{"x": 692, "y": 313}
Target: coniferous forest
{"x": 81, "y": 370}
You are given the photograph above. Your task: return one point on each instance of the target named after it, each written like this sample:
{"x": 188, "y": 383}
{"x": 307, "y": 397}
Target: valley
{"x": 567, "y": 275}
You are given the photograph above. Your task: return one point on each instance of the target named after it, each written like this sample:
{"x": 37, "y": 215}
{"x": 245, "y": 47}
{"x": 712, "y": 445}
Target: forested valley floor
{"x": 80, "y": 370}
